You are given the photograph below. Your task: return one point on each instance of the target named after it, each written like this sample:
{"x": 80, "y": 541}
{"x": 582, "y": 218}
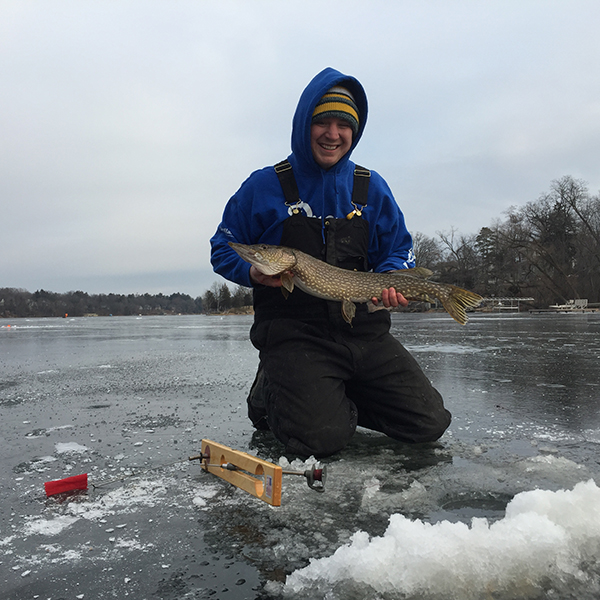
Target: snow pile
{"x": 544, "y": 539}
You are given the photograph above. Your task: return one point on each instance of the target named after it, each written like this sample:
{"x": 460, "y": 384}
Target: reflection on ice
{"x": 544, "y": 541}
{"x": 450, "y": 348}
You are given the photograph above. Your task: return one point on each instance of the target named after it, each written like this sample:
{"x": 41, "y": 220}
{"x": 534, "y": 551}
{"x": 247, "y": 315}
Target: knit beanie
{"x": 337, "y": 102}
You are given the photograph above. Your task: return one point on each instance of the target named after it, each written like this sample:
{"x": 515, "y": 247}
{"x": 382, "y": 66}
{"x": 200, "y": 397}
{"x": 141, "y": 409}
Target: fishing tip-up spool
{"x": 315, "y": 477}
{"x": 258, "y": 477}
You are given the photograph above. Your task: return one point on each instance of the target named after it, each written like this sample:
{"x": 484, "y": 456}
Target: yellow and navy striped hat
{"x": 338, "y": 102}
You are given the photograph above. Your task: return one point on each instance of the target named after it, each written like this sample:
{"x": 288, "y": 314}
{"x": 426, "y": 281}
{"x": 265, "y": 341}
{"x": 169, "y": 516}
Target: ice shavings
{"x": 70, "y": 447}
{"x": 123, "y": 499}
{"x": 7, "y": 540}
{"x": 549, "y": 464}
{"x": 48, "y": 526}
{"x": 120, "y": 501}
{"x": 592, "y": 435}
{"x": 36, "y": 433}
{"x": 132, "y": 544}
{"x": 544, "y": 537}
{"x": 202, "y": 495}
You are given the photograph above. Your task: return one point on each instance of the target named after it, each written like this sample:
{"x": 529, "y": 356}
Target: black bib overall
{"x": 320, "y": 377}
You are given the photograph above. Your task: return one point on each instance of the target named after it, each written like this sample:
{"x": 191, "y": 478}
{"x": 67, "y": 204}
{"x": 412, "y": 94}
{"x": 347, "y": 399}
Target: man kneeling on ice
{"x": 319, "y": 377}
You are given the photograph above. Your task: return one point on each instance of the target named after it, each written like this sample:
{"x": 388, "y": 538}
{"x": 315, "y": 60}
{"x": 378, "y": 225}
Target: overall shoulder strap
{"x": 288, "y": 181}
{"x": 360, "y": 190}
{"x": 285, "y": 173}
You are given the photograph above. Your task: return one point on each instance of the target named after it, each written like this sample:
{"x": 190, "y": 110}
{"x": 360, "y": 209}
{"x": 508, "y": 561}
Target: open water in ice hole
{"x": 114, "y": 397}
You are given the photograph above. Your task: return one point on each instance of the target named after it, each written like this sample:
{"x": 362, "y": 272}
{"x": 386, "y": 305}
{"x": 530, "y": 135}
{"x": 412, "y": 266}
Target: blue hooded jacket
{"x": 256, "y": 212}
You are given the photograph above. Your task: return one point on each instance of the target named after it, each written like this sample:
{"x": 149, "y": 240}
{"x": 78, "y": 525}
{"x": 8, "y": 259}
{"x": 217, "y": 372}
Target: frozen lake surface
{"x": 504, "y": 506}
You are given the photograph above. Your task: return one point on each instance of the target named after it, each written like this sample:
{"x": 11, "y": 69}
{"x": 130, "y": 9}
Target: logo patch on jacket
{"x": 300, "y": 206}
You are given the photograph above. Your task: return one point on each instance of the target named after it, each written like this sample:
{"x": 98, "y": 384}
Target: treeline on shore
{"x": 548, "y": 249}
{"x": 17, "y": 303}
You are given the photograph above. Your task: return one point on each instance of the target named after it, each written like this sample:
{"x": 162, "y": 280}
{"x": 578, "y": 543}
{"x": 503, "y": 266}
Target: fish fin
{"x": 457, "y": 302}
{"x": 284, "y": 292}
{"x": 287, "y": 282}
{"x": 371, "y": 308}
{"x": 348, "y": 310}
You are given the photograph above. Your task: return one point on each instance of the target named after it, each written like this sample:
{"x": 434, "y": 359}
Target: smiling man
{"x": 331, "y": 138}
{"x": 334, "y": 123}
{"x": 319, "y": 378}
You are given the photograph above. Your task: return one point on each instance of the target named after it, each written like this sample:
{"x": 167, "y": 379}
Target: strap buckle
{"x": 361, "y": 172}
{"x": 283, "y": 166}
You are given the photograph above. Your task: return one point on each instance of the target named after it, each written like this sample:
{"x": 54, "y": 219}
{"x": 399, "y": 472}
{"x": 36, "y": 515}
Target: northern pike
{"x": 328, "y": 282}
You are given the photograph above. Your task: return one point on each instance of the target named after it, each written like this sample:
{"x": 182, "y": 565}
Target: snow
{"x": 544, "y": 535}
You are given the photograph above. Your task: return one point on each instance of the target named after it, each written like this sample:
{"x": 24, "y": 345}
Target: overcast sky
{"x": 126, "y": 126}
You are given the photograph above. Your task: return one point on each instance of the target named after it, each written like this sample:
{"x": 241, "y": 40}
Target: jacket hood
{"x": 311, "y": 95}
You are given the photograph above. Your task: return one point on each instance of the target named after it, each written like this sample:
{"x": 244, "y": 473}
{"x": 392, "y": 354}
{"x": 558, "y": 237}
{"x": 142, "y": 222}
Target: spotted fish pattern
{"x": 325, "y": 281}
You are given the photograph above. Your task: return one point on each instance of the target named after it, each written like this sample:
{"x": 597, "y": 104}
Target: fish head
{"x": 269, "y": 260}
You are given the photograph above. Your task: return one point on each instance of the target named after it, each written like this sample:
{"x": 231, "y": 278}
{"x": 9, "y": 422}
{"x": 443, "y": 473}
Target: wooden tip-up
{"x": 258, "y": 477}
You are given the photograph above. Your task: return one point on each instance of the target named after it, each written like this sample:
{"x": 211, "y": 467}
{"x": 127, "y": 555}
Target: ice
{"x": 120, "y": 501}
{"x": 297, "y": 464}
{"x": 203, "y": 495}
{"x": 592, "y": 435}
{"x": 550, "y": 464}
{"x": 509, "y": 436}
{"x": 70, "y": 447}
{"x": 49, "y": 526}
{"x": 544, "y": 536}
{"x": 450, "y": 348}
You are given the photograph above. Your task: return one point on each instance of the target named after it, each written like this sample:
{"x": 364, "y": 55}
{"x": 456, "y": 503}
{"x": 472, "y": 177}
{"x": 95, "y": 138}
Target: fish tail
{"x": 458, "y": 301}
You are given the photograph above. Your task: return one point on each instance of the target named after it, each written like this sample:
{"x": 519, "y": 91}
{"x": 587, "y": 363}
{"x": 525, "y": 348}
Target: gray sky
{"x": 126, "y": 126}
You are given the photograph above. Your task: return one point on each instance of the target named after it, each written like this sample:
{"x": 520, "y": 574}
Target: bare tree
{"x": 428, "y": 251}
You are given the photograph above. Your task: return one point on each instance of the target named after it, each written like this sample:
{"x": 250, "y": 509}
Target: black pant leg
{"x": 393, "y": 395}
{"x": 306, "y": 404}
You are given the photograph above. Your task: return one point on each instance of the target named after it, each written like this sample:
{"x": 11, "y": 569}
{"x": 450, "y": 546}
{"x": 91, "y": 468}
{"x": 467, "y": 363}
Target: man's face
{"x": 330, "y": 139}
